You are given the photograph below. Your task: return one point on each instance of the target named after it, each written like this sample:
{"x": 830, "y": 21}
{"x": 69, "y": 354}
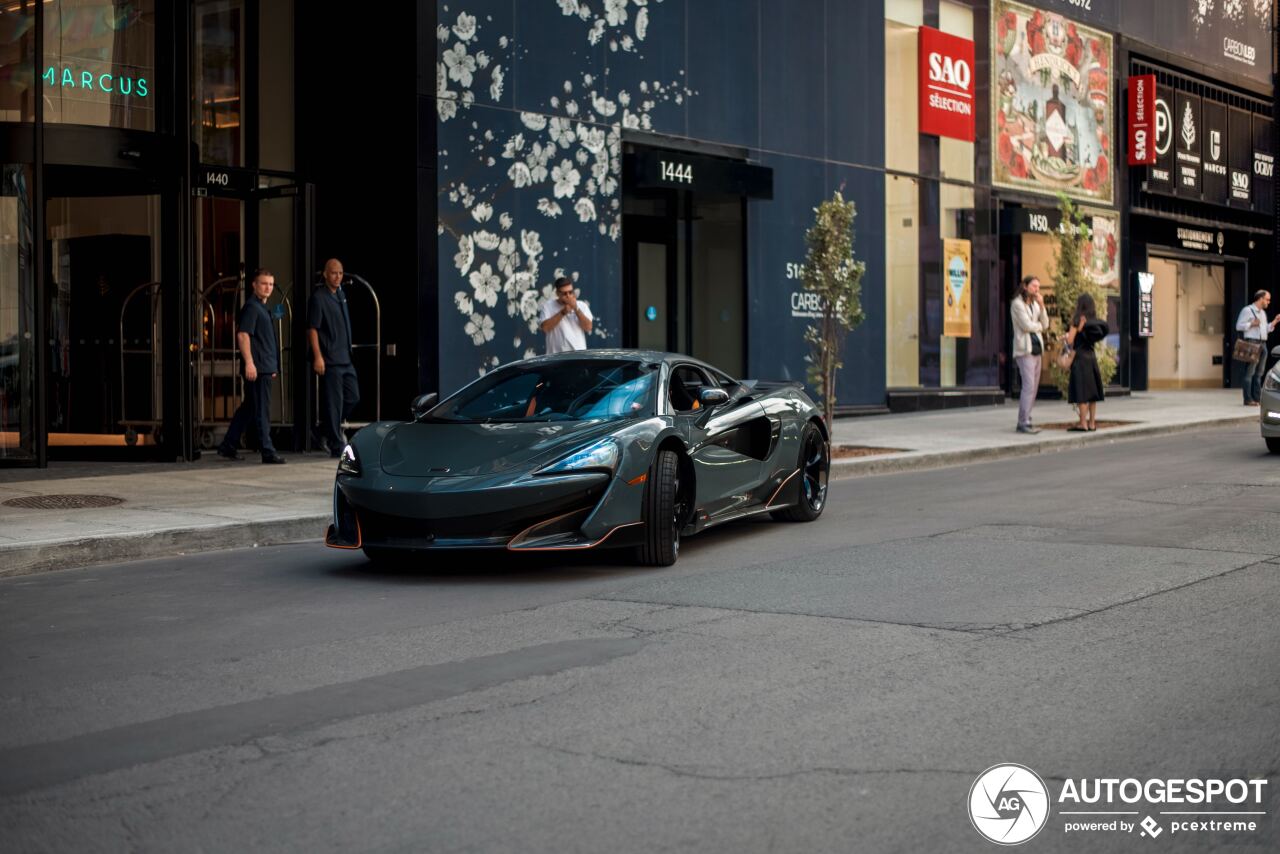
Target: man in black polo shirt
{"x": 256, "y": 338}
{"x": 329, "y": 330}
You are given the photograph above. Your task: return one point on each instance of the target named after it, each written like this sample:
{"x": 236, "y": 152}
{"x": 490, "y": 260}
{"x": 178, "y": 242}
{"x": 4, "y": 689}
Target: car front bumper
{"x": 1269, "y": 403}
{"x": 529, "y": 513}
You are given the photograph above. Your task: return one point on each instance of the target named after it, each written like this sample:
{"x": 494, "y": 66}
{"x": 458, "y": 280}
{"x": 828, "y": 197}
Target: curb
{"x": 22, "y": 559}
{"x": 866, "y": 466}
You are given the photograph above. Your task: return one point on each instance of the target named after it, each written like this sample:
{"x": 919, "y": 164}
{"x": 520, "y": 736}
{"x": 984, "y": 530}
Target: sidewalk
{"x": 168, "y": 509}
{"x": 954, "y": 436}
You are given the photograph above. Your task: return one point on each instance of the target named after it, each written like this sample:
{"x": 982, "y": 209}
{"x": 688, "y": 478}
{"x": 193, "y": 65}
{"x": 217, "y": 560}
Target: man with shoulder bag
{"x": 1251, "y": 346}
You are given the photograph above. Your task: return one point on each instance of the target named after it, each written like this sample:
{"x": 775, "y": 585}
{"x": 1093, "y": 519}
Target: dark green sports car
{"x": 600, "y": 448}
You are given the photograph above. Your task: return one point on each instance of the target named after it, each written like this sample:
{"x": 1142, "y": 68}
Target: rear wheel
{"x": 664, "y": 512}
{"x": 1273, "y": 444}
{"x": 815, "y": 466}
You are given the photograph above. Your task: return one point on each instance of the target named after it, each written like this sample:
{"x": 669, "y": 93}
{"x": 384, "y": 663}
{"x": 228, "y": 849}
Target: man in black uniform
{"x": 329, "y": 330}
{"x": 256, "y": 338}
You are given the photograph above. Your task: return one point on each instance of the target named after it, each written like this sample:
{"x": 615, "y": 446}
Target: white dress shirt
{"x": 1245, "y": 320}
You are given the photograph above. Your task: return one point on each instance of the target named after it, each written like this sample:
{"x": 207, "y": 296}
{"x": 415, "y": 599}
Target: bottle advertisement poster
{"x": 956, "y": 277}
{"x": 1053, "y": 120}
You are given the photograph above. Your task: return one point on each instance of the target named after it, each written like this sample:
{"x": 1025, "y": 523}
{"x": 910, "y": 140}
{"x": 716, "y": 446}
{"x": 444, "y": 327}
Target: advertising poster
{"x": 956, "y": 256}
{"x": 1052, "y": 91}
{"x": 1100, "y": 254}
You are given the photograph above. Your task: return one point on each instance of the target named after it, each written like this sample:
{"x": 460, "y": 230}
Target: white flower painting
{"x": 565, "y": 150}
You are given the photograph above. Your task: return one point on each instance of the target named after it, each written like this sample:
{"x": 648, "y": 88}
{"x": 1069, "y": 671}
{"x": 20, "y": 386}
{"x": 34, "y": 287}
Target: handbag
{"x": 1247, "y": 351}
{"x": 1066, "y": 356}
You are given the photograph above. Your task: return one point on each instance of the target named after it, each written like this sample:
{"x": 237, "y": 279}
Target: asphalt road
{"x": 1101, "y": 613}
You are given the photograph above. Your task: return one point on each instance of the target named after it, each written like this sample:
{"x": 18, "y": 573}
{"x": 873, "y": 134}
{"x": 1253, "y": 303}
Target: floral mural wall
{"x": 529, "y": 189}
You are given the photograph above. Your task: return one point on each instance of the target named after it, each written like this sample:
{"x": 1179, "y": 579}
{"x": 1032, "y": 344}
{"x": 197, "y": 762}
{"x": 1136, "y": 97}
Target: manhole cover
{"x": 62, "y": 502}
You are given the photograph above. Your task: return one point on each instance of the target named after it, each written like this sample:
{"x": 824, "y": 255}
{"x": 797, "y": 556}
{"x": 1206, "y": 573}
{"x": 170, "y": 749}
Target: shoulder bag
{"x": 1247, "y": 351}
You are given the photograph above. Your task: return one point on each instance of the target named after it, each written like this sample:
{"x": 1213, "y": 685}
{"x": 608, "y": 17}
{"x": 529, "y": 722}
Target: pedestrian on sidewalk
{"x": 329, "y": 331}
{"x": 1253, "y": 326}
{"x": 565, "y": 319}
{"x": 1030, "y": 321}
{"x": 1084, "y": 386}
{"x": 260, "y": 354}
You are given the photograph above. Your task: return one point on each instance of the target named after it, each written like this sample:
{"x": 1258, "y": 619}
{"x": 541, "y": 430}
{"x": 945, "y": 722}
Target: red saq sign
{"x": 1142, "y": 119}
{"x": 946, "y": 85}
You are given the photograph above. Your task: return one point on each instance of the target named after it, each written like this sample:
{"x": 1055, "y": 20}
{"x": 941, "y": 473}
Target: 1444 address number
{"x": 680, "y": 172}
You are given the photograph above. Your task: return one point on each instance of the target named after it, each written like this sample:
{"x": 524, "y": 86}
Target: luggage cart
{"x": 132, "y": 351}
{"x": 375, "y": 345}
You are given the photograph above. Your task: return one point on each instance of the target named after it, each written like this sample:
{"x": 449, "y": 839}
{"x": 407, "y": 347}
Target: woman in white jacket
{"x": 1030, "y": 322}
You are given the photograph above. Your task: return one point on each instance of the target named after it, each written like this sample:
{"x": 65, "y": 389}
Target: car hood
{"x": 436, "y": 449}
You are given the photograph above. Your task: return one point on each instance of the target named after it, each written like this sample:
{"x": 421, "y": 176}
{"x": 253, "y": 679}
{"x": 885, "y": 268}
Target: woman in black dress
{"x": 1085, "y": 386}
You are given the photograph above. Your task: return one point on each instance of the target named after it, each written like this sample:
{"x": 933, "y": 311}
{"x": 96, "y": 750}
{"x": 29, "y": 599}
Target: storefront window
{"x": 17, "y": 316}
{"x": 17, "y": 52}
{"x": 931, "y": 296}
{"x": 902, "y": 281}
{"x": 99, "y": 63}
{"x": 956, "y": 221}
{"x": 219, "y": 81}
{"x": 901, "y": 127}
{"x": 1101, "y": 262}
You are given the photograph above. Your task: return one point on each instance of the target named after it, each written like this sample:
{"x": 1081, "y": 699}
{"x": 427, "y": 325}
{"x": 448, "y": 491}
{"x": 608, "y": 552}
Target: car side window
{"x": 724, "y": 381}
{"x": 686, "y": 382}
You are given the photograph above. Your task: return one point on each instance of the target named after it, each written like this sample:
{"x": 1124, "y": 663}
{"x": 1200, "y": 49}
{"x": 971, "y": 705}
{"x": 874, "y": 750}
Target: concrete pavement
{"x": 215, "y": 504}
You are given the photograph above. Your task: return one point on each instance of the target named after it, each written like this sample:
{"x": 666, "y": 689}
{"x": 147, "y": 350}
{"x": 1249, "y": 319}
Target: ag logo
{"x": 1008, "y": 804}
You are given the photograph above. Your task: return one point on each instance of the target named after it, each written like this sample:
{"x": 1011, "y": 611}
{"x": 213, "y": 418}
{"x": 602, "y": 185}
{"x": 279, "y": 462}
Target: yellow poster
{"x": 956, "y": 275}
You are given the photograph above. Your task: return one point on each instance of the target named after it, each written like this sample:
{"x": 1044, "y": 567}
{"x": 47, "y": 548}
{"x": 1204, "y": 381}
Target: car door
{"x": 725, "y": 443}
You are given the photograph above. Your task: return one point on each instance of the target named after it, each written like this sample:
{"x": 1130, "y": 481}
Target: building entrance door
{"x": 244, "y": 221}
{"x": 684, "y": 227}
{"x": 1189, "y": 308}
{"x": 683, "y": 276}
{"x": 102, "y": 292}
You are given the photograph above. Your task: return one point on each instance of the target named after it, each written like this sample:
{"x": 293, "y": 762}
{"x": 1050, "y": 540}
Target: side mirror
{"x": 422, "y": 404}
{"x": 711, "y": 396}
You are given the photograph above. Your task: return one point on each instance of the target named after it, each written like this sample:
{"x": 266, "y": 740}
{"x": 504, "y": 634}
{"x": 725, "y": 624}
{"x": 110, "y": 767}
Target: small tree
{"x": 831, "y": 272}
{"x": 1070, "y": 280}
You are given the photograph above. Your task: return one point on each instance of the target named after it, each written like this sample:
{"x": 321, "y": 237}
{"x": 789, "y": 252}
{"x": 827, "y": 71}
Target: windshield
{"x": 555, "y": 391}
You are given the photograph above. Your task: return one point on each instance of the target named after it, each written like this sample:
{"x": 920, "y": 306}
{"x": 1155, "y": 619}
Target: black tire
{"x": 663, "y": 513}
{"x": 815, "y": 467}
{"x": 1273, "y": 444}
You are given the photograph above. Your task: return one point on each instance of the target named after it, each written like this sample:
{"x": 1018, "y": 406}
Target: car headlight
{"x": 600, "y": 456}
{"x": 1272, "y": 381}
{"x": 347, "y": 463}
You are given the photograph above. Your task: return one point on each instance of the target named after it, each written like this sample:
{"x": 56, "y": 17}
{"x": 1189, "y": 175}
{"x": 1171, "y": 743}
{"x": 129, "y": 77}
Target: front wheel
{"x": 1273, "y": 444}
{"x": 664, "y": 512}
{"x": 815, "y": 467}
